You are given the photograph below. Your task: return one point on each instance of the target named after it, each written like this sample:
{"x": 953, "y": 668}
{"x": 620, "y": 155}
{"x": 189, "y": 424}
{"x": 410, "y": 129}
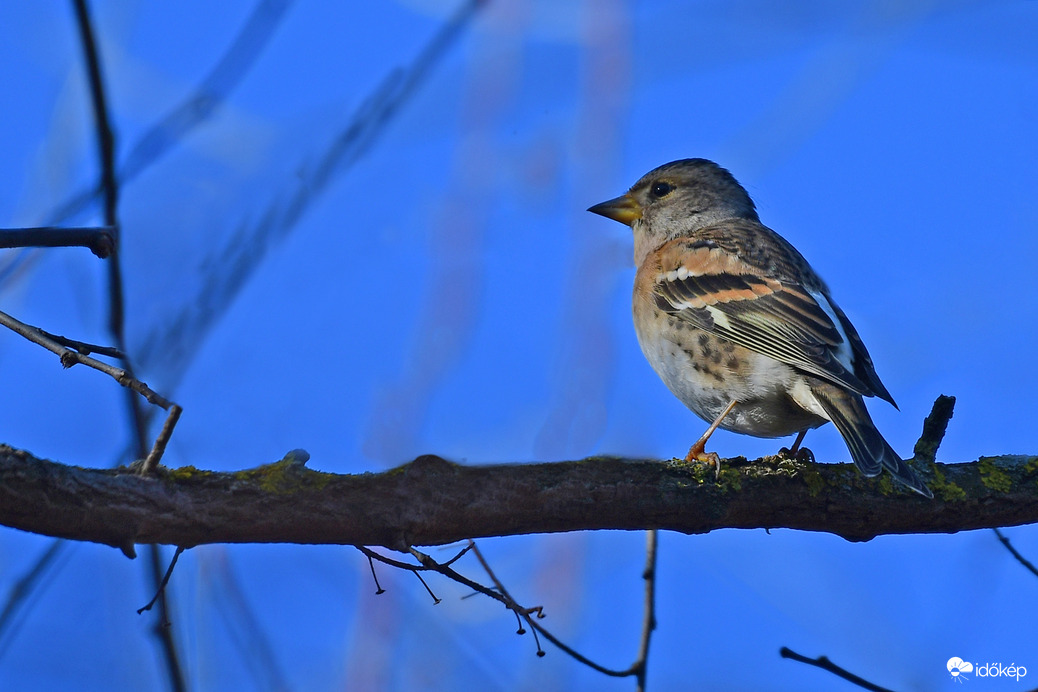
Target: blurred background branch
{"x": 108, "y": 184}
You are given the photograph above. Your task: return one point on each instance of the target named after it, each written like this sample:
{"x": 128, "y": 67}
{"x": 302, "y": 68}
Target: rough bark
{"x": 432, "y": 501}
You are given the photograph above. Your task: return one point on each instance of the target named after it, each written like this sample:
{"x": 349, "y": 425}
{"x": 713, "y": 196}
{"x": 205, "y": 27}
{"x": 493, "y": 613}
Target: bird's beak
{"x": 623, "y": 209}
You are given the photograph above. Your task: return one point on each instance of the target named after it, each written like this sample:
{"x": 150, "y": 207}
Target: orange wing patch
{"x": 708, "y": 276}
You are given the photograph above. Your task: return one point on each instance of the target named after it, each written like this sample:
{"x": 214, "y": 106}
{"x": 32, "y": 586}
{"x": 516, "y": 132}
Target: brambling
{"x": 738, "y": 325}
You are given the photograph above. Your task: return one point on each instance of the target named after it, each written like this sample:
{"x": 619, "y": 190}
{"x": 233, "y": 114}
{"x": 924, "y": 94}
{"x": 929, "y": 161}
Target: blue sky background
{"x": 447, "y": 293}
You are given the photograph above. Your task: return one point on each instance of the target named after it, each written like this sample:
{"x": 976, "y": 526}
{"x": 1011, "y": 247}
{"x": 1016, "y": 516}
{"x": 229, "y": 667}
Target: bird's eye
{"x": 661, "y": 190}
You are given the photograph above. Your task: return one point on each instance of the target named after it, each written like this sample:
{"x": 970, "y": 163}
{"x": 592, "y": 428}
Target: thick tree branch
{"x": 431, "y": 501}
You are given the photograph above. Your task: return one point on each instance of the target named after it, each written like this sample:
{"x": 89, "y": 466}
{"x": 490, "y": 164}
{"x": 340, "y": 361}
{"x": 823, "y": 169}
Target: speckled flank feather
{"x": 780, "y": 319}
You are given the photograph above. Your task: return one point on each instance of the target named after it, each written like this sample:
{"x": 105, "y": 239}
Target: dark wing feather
{"x": 863, "y": 366}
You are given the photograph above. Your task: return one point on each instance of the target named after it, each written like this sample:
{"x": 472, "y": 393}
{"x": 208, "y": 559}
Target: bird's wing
{"x": 716, "y": 290}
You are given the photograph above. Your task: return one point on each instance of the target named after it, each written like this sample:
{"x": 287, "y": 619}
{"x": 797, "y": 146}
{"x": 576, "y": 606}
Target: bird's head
{"x": 677, "y": 199}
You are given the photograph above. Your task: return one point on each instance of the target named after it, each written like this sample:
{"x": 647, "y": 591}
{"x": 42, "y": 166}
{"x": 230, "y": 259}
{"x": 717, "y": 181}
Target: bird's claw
{"x": 707, "y": 458}
{"x": 803, "y": 455}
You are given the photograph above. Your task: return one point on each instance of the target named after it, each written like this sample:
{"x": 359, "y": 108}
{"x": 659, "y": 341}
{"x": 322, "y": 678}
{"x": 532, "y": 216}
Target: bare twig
{"x": 151, "y": 462}
{"x": 641, "y": 665}
{"x": 428, "y": 564}
{"x": 70, "y": 357}
{"x": 106, "y": 153}
{"x": 99, "y": 240}
{"x": 378, "y": 587}
{"x": 83, "y": 347}
{"x": 1015, "y": 553}
{"x": 161, "y": 627}
{"x": 109, "y": 186}
{"x": 165, "y": 580}
{"x": 934, "y": 428}
{"x": 418, "y": 574}
{"x": 372, "y": 555}
{"x": 461, "y": 553}
{"x": 824, "y": 663}
{"x": 537, "y": 627}
{"x": 500, "y": 593}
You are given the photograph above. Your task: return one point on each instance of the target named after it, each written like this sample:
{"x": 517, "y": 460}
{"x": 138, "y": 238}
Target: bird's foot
{"x": 698, "y": 451}
{"x": 803, "y": 455}
{"x": 698, "y": 454}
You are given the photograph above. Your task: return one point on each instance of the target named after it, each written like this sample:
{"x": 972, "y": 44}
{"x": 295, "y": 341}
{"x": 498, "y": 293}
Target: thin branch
{"x": 165, "y": 580}
{"x": 406, "y": 566}
{"x": 934, "y": 427}
{"x": 427, "y": 564}
{"x": 537, "y": 627}
{"x": 824, "y": 663}
{"x": 372, "y": 555}
{"x": 70, "y": 357}
{"x": 500, "y": 594}
{"x": 106, "y": 154}
{"x": 116, "y": 307}
{"x": 436, "y": 601}
{"x": 82, "y": 346}
{"x": 641, "y": 664}
{"x": 469, "y": 546}
{"x": 1019, "y": 558}
{"x": 99, "y": 240}
{"x": 162, "y": 629}
{"x": 151, "y": 462}
{"x": 109, "y": 186}
{"x": 378, "y": 587}
{"x": 105, "y": 136}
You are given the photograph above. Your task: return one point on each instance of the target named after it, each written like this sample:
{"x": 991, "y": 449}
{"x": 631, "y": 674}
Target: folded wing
{"x": 717, "y": 291}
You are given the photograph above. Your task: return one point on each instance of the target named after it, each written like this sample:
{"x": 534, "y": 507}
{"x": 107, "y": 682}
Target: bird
{"x": 738, "y": 325}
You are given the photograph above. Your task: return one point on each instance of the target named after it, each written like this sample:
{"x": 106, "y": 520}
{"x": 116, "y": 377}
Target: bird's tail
{"x": 870, "y": 451}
